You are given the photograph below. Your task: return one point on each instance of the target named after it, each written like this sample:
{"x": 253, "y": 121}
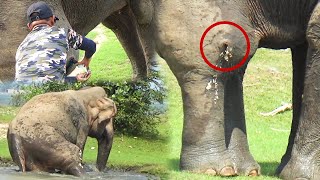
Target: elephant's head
{"x": 101, "y": 110}
{"x": 101, "y": 113}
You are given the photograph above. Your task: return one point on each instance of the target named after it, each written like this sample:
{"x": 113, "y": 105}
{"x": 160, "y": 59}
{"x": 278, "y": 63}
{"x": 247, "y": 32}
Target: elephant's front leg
{"x": 204, "y": 147}
{"x": 305, "y": 156}
{"x": 82, "y": 138}
{"x": 103, "y": 132}
{"x": 104, "y": 146}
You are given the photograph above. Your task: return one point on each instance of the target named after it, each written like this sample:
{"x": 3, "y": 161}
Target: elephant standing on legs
{"x": 214, "y": 133}
{"x": 51, "y": 129}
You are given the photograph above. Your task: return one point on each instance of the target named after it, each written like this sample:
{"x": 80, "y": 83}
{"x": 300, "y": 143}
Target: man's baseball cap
{"x": 39, "y": 10}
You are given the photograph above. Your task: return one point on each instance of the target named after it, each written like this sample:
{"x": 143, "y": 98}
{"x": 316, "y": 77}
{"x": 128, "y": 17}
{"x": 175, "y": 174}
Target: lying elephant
{"x": 51, "y": 129}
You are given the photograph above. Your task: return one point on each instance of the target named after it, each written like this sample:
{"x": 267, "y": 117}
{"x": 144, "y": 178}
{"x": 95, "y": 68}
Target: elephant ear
{"x": 94, "y": 112}
{"x": 107, "y": 109}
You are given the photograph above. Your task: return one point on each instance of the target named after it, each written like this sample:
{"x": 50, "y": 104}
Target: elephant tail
{"x": 16, "y": 150}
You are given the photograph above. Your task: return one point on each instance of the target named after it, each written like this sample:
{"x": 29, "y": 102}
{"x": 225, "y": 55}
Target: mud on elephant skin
{"x": 50, "y": 131}
{"x": 214, "y": 134}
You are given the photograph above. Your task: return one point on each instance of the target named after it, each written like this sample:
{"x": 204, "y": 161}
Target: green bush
{"x": 136, "y": 113}
{"x": 139, "y": 103}
{"x": 35, "y": 89}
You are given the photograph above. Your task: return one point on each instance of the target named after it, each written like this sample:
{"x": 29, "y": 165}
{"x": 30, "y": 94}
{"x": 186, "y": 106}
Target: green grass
{"x": 110, "y": 60}
{"x": 133, "y": 152}
{"x": 267, "y": 84}
{"x": 275, "y": 78}
{"x": 7, "y": 113}
{"x": 4, "y": 151}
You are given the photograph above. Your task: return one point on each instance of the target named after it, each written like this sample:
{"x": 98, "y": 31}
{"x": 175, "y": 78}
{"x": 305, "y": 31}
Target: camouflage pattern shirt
{"x": 42, "y": 55}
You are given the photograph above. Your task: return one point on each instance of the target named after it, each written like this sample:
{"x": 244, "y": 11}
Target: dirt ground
{"x": 4, "y": 162}
{"x": 8, "y": 169}
{"x": 3, "y": 130}
{"x": 3, "y": 134}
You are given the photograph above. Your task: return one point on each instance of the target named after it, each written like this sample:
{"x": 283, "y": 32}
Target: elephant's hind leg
{"x": 68, "y": 157}
{"x": 299, "y": 55}
{"x": 61, "y": 155}
{"x": 305, "y": 156}
{"x": 124, "y": 26}
{"x": 16, "y": 150}
{"x": 25, "y": 161}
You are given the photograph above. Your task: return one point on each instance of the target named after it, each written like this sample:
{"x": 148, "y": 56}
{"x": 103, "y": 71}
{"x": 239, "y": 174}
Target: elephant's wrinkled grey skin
{"x": 82, "y": 16}
{"x": 214, "y": 132}
{"x": 123, "y": 24}
{"x": 51, "y": 129}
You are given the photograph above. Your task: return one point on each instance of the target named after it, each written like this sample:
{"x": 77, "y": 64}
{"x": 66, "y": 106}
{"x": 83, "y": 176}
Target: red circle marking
{"x": 243, "y": 59}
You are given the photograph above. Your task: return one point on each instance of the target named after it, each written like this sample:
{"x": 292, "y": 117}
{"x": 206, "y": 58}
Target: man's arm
{"x": 90, "y": 48}
{"x": 77, "y": 41}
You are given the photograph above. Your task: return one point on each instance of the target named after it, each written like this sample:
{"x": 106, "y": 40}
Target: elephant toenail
{"x": 227, "y": 171}
{"x": 211, "y": 172}
{"x": 253, "y": 173}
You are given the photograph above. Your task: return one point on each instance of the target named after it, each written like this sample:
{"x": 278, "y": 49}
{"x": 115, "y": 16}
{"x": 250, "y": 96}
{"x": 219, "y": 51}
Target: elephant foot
{"x": 300, "y": 168}
{"x": 244, "y": 163}
{"x": 214, "y": 164}
{"x": 284, "y": 161}
{"x": 248, "y": 170}
{"x": 75, "y": 169}
{"x": 225, "y": 172}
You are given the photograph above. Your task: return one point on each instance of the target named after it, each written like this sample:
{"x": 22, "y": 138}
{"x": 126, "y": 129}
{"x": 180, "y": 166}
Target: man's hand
{"x": 83, "y": 76}
{"x": 85, "y": 61}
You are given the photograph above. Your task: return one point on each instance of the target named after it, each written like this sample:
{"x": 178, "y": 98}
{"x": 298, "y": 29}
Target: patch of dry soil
{"x": 5, "y": 162}
{"x": 3, "y": 130}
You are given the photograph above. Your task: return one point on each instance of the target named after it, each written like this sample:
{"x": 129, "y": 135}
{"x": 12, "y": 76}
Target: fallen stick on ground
{"x": 284, "y": 107}
{"x": 250, "y": 85}
{"x": 280, "y": 130}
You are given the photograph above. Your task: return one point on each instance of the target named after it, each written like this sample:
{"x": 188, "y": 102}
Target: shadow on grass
{"x": 267, "y": 168}
{"x": 174, "y": 164}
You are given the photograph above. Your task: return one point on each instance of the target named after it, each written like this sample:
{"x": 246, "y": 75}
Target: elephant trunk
{"x": 102, "y": 112}
{"x": 104, "y": 148}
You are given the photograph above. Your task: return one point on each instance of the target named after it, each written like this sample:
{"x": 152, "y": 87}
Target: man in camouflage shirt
{"x": 42, "y": 55}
